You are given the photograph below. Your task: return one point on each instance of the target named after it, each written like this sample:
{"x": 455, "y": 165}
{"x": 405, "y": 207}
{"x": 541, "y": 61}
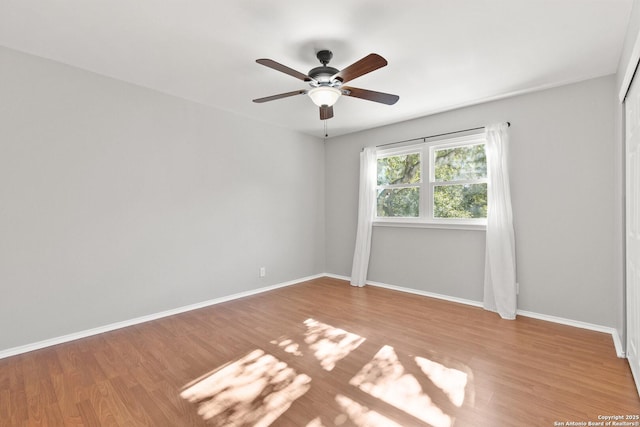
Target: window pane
{"x": 399, "y": 169}
{"x": 399, "y": 202}
{"x": 460, "y": 201}
{"x": 460, "y": 163}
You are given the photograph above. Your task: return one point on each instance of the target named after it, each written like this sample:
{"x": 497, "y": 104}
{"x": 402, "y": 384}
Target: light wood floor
{"x": 323, "y": 353}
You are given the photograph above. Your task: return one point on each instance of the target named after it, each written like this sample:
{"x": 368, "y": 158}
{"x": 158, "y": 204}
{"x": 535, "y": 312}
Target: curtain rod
{"x": 434, "y": 136}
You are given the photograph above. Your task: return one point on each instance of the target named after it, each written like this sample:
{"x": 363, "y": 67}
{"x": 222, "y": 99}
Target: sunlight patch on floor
{"x": 385, "y": 378}
{"x": 257, "y": 388}
{"x": 451, "y": 381}
{"x": 362, "y": 416}
{"x": 288, "y": 346}
{"x": 316, "y": 422}
{"x": 254, "y": 390}
{"x": 329, "y": 344}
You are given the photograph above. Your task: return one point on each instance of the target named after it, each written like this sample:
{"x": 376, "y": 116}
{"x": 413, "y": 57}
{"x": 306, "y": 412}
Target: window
{"x": 399, "y": 182}
{"x": 442, "y": 183}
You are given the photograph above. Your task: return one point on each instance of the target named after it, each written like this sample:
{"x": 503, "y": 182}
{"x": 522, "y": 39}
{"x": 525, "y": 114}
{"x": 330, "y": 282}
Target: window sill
{"x": 462, "y": 225}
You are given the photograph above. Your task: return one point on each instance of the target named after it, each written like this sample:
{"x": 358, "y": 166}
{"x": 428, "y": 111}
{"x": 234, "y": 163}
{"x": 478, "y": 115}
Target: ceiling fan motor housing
{"x": 323, "y": 74}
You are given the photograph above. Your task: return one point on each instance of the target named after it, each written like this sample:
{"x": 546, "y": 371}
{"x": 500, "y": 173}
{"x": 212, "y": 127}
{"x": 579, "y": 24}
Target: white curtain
{"x": 500, "y": 260}
{"x": 366, "y": 213}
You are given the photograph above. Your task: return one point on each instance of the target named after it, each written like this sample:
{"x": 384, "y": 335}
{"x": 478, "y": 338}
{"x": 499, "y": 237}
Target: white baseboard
{"x": 617, "y": 343}
{"x": 118, "y": 325}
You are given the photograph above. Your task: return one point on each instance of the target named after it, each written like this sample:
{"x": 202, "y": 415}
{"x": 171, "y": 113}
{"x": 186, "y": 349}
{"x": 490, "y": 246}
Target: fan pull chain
{"x": 326, "y": 133}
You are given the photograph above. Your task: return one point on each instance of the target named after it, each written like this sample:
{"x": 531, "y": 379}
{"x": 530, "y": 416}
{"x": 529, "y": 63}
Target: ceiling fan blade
{"x": 370, "y": 95}
{"x": 284, "y": 69}
{"x": 279, "y": 96}
{"x": 326, "y": 112}
{"x": 366, "y": 65}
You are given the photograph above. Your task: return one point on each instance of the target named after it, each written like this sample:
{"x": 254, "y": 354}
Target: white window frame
{"x": 427, "y": 185}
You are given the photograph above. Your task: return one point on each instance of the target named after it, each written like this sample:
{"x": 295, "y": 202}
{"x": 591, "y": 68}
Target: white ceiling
{"x": 442, "y": 54}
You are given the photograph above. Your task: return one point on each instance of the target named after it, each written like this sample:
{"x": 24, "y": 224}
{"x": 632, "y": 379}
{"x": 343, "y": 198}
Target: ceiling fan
{"x": 326, "y": 82}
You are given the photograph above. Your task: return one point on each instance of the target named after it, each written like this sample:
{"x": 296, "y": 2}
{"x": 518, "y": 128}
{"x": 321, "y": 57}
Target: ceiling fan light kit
{"x": 324, "y": 95}
{"x": 326, "y": 82}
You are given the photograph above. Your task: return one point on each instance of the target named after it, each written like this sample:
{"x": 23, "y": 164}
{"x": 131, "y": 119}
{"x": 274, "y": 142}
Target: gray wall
{"x": 118, "y": 201}
{"x": 563, "y": 182}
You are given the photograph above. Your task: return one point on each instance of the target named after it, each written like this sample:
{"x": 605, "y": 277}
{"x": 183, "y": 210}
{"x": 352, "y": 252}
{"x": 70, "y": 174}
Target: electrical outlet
{"x": 517, "y": 288}
{"x": 263, "y": 271}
